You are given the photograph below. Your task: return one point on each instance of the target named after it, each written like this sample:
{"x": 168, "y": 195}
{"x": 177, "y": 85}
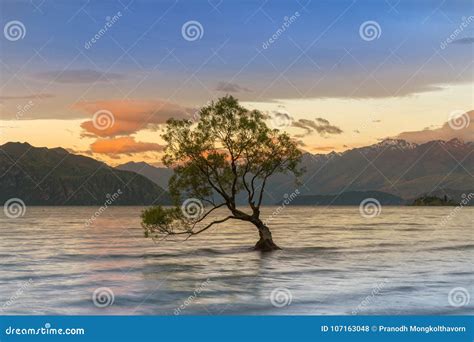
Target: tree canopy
{"x": 229, "y": 150}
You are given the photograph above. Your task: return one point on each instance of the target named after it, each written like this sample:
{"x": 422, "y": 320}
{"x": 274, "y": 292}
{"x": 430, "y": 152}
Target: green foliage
{"x": 228, "y": 144}
{"x": 229, "y": 150}
{"x": 434, "y": 201}
{"x": 157, "y": 219}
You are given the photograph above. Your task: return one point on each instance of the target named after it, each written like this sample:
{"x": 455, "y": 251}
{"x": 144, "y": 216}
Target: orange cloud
{"x": 123, "y": 145}
{"x": 111, "y": 118}
{"x": 461, "y": 127}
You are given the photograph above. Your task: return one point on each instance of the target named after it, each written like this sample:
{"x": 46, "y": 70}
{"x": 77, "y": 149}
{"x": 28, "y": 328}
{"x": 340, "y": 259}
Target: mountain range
{"x": 158, "y": 175}
{"x": 42, "y": 176}
{"x": 395, "y": 170}
{"x": 393, "y": 166}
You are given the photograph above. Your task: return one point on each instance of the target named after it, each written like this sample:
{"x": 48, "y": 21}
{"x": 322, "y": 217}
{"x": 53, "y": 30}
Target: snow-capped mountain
{"x": 393, "y": 165}
{"x": 389, "y": 144}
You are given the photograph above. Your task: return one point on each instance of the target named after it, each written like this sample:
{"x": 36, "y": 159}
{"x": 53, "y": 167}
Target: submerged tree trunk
{"x": 265, "y": 244}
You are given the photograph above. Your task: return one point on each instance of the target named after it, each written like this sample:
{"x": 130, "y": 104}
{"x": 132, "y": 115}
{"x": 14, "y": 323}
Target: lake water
{"x": 334, "y": 261}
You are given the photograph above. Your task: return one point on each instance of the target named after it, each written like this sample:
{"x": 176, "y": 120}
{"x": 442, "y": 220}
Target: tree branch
{"x": 209, "y": 226}
{"x": 207, "y": 214}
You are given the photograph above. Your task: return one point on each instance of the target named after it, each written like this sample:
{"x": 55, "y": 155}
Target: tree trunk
{"x": 265, "y": 244}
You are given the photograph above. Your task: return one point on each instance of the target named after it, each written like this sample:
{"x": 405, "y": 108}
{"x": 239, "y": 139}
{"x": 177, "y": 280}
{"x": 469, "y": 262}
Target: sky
{"x": 102, "y": 77}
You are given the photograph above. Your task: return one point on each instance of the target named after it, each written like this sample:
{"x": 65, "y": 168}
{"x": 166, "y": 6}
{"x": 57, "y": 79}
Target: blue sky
{"x": 325, "y": 30}
{"x": 320, "y": 55}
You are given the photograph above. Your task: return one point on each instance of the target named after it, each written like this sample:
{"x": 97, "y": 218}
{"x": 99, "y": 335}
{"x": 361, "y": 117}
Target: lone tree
{"x": 230, "y": 150}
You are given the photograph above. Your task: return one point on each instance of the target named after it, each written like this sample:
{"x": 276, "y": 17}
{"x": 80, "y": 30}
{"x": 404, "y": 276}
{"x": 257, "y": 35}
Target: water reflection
{"x": 331, "y": 261}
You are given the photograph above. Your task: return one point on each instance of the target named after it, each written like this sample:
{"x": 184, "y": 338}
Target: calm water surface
{"x": 334, "y": 262}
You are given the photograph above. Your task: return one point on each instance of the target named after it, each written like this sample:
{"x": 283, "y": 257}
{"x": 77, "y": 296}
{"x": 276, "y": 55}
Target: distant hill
{"x": 392, "y": 166}
{"x": 433, "y": 201}
{"x": 158, "y": 175}
{"x": 42, "y": 176}
{"x": 347, "y": 198}
{"x": 455, "y": 195}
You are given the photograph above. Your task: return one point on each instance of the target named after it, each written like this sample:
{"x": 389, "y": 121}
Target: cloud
{"x": 231, "y": 87}
{"x": 306, "y": 125}
{"x": 26, "y": 97}
{"x": 78, "y": 76}
{"x": 464, "y": 132}
{"x": 320, "y": 126}
{"x": 323, "y": 148}
{"x": 300, "y": 142}
{"x": 464, "y": 41}
{"x": 129, "y": 116}
{"x": 280, "y": 117}
{"x": 123, "y": 145}
{"x": 322, "y": 121}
